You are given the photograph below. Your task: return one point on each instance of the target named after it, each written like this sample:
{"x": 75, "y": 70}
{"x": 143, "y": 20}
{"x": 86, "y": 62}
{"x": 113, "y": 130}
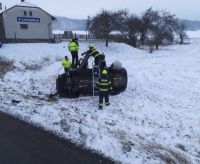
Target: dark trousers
{"x": 100, "y": 61}
{"x": 74, "y": 58}
{"x": 66, "y": 71}
{"x": 102, "y": 96}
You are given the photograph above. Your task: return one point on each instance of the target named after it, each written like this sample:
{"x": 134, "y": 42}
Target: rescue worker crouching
{"x": 105, "y": 88}
{"x": 67, "y": 64}
{"x": 73, "y": 47}
{"x": 102, "y": 62}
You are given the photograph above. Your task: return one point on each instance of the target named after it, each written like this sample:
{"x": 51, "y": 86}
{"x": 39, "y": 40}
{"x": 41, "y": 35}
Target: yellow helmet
{"x": 104, "y": 72}
{"x": 91, "y": 46}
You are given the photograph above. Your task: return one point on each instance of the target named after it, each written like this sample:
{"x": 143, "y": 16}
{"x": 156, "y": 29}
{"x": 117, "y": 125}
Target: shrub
{"x": 32, "y": 67}
{"x": 5, "y": 65}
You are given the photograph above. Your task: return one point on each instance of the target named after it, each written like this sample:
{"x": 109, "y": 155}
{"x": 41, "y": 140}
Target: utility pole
{"x": 87, "y": 27}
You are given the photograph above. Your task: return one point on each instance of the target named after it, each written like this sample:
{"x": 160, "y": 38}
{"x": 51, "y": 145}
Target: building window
{"x": 30, "y": 13}
{"x": 23, "y": 26}
{"x": 24, "y": 13}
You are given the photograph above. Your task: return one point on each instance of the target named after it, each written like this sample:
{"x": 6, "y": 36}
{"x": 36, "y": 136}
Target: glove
{"x": 83, "y": 54}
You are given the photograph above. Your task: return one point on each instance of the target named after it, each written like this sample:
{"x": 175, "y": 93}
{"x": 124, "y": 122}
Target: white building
{"x": 25, "y": 22}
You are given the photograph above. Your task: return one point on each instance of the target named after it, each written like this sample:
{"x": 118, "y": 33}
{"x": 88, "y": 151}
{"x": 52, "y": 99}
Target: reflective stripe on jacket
{"x": 73, "y": 46}
{"x": 93, "y": 52}
{"x": 66, "y": 63}
{"x": 104, "y": 85}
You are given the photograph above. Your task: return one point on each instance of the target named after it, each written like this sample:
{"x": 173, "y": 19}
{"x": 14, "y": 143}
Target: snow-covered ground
{"x": 193, "y": 34}
{"x": 156, "y": 119}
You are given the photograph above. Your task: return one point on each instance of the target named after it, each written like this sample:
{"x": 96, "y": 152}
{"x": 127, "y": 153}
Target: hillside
{"x": 68, "y": 24}
{"x": 155, "y": 119}
{"x": 192, "y": 25}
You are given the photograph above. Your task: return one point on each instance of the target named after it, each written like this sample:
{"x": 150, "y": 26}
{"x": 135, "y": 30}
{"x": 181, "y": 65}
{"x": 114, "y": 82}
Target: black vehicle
{"x": 82, "y": 80}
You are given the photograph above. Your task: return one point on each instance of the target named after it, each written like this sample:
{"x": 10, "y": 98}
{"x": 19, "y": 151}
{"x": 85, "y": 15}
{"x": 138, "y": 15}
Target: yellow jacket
{"x": 73, "y": 46}
{"x": 66, "y": 63}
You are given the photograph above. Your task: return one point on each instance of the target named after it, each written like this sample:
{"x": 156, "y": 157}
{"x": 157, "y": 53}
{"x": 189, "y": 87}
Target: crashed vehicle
{"x": 83, "y": 81}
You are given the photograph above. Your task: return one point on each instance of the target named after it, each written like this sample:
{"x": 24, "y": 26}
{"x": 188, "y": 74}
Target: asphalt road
{"x": 21, "y": 143}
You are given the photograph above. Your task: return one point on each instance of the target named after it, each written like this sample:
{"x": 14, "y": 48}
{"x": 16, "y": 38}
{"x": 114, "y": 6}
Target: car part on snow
{"x": 80, "y": 81}
{"x": 117, "y": 64}
{"x": 16, "y": 101}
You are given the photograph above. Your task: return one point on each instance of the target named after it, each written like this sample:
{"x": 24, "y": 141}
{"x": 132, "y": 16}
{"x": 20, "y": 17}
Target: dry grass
{"x": 32, "y": 67}
{"x": 5, "y": 66}
{"x": 167, "y": 155}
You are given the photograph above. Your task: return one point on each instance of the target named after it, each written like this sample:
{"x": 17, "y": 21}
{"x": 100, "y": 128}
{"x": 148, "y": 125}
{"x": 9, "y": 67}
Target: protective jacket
{"x": 93, "y": 52}
{"x": 98, "y": 58}
{"x": 73, "y": 46}
{"x": 66, "y": 63}
{"x": 104, "y": 84}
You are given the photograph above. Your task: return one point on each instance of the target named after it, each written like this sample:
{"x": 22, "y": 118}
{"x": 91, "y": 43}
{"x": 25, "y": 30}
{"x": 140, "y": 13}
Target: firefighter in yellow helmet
{"x": 104, "y": 85}
{"x": 99, "y": 59}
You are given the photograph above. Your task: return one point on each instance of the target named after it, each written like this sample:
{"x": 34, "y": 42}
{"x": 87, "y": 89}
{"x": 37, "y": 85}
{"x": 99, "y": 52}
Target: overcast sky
{"x": 184, "y": 9}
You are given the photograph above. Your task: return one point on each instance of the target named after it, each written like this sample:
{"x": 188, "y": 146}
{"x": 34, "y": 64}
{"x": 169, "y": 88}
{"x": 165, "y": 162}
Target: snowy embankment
{"x": 156, "y": 119}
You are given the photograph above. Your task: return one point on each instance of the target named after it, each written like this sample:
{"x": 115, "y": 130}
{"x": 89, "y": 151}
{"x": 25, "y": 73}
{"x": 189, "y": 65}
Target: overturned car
{"x": 82, "y": 80}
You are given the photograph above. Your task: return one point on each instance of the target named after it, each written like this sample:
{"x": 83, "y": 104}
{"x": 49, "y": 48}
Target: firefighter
{"x": 73, "y": 47}
{"x": 98, "y": 58}
{"x": 102, "y": 62}
{"x": 85, "y": 66}
{"x": 66, "y": 63}
{"x": 105, "y": 88}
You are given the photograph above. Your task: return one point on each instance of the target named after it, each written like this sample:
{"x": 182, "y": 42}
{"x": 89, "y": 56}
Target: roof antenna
{"x": 22, "y": 0}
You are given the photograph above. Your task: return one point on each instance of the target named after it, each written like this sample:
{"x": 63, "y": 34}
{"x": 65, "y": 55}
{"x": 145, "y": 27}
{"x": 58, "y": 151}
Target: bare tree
{"x": 146, "y": 22}
{"x": 88, "y": 24}
{"x": 102, "y": 25}
{"x": 162, "y": 26}
{"x": 129, "y": 26}
{"x": 154, "y": 26}
{"x": 180, "y": 28}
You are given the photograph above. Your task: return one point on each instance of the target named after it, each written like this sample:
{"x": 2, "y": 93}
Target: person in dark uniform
{"x": 99, "y": 59}
{"x": 104, "y": 86}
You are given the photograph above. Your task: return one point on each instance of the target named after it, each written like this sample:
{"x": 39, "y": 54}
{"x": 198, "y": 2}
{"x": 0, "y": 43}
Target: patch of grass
{"x": 32, "y": 67}
{"x": 5, "y": 66}
{"x": 35, "y": 66}
{"x": 166, "y": 154}
{"x": 46, "y": 59}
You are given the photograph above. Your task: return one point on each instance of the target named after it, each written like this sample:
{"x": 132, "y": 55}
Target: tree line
{"x": 153, "y": 27}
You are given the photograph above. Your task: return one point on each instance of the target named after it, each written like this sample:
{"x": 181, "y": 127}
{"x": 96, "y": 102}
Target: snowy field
{"x": 156, "y": 120}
